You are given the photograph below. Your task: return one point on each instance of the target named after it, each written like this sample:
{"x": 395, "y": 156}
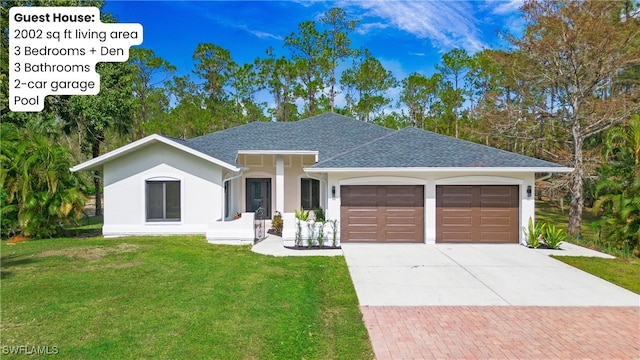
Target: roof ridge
{"x": 393, "y": 132}
{"x": 342, "y": 116}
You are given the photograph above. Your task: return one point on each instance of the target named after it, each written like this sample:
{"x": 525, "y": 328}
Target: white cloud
{"x": 364, "y": 29}
{"x": 506, "y": 7}
{"x": 448, "y": 24}
{"x": 417, "y": 54}
{"x": 263, "y": 35}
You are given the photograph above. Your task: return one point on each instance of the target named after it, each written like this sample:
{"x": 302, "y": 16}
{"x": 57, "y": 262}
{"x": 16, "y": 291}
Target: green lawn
{"x": 550, "y": 213}
{"x": 622, "y": 272}
{"x": 177, "y": 297}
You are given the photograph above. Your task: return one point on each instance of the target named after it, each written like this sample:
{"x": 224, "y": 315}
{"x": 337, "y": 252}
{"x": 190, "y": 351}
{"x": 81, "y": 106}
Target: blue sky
{"x": 406, "y": 36}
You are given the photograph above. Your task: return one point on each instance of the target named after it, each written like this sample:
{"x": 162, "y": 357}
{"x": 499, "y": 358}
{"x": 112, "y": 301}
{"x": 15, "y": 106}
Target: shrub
{"x": 334, "y": 232}
{"x": 301, "y": 214}
{"x": 277, "y": 223}
{"x": 533, "y": 234}
{"x": 320, "y": 233}
{"x": 554, "y": 236}
{"x": 311, "y": 228}
{"x": 319, "y": 213}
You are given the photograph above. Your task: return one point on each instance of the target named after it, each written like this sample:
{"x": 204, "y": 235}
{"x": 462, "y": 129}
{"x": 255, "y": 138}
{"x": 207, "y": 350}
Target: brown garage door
{"x": 477, "y": 213}
{"x": 382, "y": 213}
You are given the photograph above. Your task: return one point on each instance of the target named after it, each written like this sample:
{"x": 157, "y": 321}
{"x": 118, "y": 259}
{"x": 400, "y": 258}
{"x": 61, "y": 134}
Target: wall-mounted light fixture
{"x": 529, "y": 191}
{"x": 333, "y": 192}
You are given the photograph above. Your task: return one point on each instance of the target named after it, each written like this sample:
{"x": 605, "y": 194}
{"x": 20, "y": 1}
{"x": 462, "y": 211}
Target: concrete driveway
{"x": 473, "y": 275}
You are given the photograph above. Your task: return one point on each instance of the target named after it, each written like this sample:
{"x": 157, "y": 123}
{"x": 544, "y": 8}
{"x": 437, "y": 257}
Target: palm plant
{"x": 618, "y": 191}
{"x": 533, "y": 234}
{"x": 38, "y": 191}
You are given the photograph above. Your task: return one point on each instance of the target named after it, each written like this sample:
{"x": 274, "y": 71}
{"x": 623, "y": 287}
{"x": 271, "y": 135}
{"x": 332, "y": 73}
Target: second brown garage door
{"x": 382, "y": 213}
{"x": 477, "y": 214}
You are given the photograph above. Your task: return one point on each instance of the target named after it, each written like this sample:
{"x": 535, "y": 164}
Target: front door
{"x": 259, "y": 195}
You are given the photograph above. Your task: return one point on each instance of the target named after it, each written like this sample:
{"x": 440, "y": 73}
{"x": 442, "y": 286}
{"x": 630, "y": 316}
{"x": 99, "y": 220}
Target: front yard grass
{"x": 622, "y": 272}
{"x": 550, "y": 213}
{"x": 176, "y": 297}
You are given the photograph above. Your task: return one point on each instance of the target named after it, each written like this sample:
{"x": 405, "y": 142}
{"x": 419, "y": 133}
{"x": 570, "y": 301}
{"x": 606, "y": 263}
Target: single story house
{"x": 380, "y": 184}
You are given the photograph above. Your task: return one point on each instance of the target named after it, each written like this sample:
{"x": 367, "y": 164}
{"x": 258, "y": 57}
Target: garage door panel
{"x": 500, "y": 204}
{"x": 364, "y": 220}
{"x": 496, "y": 236}
{"x": 362, "y": 236}
{"x": 489, "y": 190}
{"x": 457, "y": 221}
{"x": 399, "y": 236}
{"x": 490, "y": 211}
{"x": 392, "y": 213}
{"x": 457, "y": 236}
{"x": 487, "y": 221}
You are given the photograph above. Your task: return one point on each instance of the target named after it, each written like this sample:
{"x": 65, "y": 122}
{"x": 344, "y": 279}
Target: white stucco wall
{"x": 124, "y": 191}
{"x": 430, "y": 180}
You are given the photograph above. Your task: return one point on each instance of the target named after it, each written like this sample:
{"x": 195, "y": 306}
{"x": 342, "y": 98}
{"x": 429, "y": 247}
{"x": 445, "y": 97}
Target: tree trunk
{"x": 98, "y": 192}
{"x": 97, "y": 183}
{"x": 577, "y": 199}
{"x": 332, "y": 93}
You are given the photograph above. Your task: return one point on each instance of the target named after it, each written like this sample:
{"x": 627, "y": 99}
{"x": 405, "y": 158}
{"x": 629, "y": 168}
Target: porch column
{"x": 280, "y": 183}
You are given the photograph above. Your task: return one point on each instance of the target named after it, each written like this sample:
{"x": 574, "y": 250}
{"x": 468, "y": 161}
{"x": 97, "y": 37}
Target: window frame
{"x": 312, "y": 183}
{"x": 164, "y": 206}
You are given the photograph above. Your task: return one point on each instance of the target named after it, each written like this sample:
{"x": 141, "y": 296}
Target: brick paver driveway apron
{"x": 488, "y": 301}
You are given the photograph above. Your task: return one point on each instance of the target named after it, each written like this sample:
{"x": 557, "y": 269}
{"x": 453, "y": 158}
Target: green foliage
{"x": 334, "y": 232}
{"x": 367, "y": 83}
{"x": 311, "y": 233}
{"x": 301, "y": 214}
{"x": 39, "y": 193}
{"x": 277, "y": 223}
{"x": 320, "y": 238}
{"x": 151, "y": 99}
{"x": 618, "y": 191}
{"x": 319, "y": 214}
{"x": 553, "y": 235}
{"x": 533, "y": 234}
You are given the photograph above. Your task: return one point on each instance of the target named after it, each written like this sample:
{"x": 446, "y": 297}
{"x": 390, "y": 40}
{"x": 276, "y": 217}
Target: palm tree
{"x": 38, "y": 190}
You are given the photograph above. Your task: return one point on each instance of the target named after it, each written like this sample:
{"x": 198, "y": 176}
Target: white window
{"x": 163, "y": 200}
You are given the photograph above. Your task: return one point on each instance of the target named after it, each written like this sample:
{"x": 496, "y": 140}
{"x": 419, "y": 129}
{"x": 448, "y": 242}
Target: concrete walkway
{"x": 474, "y": 275}
{"x": 272, "y": 245}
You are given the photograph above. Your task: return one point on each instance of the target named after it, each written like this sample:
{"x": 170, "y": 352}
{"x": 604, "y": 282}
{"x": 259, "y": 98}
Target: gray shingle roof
{"x": 411, "y": 147}
{"x": 330, "y": 134}
{"x": 343, "y": 142}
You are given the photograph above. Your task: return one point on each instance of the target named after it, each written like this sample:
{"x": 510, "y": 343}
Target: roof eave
{"x": 315, "y": 153}
{"x": 98, "y": 162}
{"x": 445, "y": 169}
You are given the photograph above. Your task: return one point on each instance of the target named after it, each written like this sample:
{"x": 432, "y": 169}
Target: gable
{"x": 98, "y": 162}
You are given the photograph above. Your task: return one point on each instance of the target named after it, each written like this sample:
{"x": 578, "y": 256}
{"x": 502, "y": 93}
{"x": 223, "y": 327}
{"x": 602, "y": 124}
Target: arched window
{"x": 163, "y": 200}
